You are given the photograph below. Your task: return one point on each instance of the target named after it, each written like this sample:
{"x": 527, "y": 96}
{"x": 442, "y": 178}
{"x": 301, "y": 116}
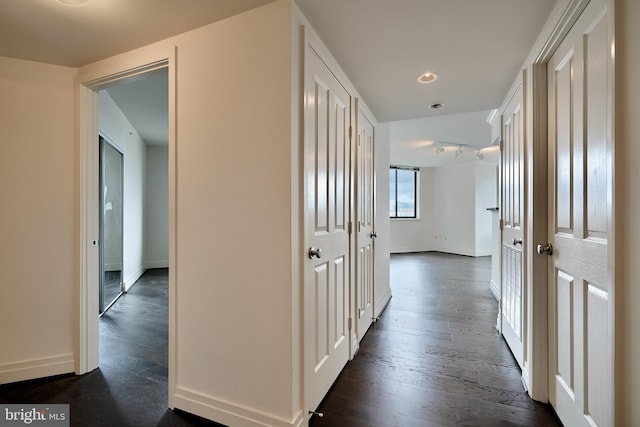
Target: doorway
{"x": 132, "y": 122}
{"x": 91, "y": 81}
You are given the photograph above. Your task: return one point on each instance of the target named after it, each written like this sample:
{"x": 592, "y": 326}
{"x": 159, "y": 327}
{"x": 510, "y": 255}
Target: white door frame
{"x": 90, "y": 79}
{"x": 537, "y": 200}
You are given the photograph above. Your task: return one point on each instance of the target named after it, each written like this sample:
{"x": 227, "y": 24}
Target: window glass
{"x": 402, "y": 192}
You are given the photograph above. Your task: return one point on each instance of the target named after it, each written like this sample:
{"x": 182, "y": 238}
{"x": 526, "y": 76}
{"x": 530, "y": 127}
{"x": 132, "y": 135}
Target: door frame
{"x": 90, "y": 79}
{"x": 537, "y": 204}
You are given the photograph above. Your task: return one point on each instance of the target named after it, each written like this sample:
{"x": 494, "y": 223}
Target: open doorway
{"x": 133, "y": 326}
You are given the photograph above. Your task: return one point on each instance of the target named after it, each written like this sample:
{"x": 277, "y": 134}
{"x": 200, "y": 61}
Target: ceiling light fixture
{"x": 73, "y": 2}
{"x": 458, "y": 151}
{"x": 439, "y": 149}
{"x": 436, "y": 105}
{"x": 479, "y": 155}
{"x": 427, "y": 77}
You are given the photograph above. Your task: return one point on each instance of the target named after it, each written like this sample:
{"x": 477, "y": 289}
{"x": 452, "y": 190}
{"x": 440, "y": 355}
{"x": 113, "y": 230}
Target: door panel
{"x": 364, "y": 224}
{"x": 326, "y": 287}
{"x": 580, "y": 342}
{"x": 513, "y": 281}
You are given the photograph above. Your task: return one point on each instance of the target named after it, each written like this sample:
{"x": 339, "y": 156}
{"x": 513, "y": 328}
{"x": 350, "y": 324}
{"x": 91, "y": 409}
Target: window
{"x": 403, "y": 197}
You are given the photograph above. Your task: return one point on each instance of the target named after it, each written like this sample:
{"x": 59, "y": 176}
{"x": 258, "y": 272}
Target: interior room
{"x": 290, "y": 296}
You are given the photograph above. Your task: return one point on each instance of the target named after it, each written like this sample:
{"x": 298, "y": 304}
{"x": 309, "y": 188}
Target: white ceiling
{"x": 48, "y": 31}
{"x": 145, "y": 103}
{"x": 476, "y": 46}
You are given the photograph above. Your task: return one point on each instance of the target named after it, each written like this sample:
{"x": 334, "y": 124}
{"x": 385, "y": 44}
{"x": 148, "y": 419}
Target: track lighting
{"x": 438, "y": 149}
{"x": 479, "y": 155}
{"x": 458, "y": 151}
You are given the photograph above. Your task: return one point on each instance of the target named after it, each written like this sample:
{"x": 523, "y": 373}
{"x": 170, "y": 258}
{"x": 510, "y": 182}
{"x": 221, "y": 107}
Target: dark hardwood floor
{"x": 434, "y": 358}
{"x": 130, "y": 387}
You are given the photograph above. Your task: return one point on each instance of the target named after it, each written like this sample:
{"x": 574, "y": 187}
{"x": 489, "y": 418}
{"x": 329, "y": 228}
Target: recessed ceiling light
{"x": 436, "y": 105}
{"x": 427, "y": 77}
{"x": 73, "y": 2}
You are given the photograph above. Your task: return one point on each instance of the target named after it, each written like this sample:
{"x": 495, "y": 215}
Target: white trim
{"x": 156, "y": 264}
{"x": 379, "y": 306}
{"x": 230, "y": 413}
{"x": 495, "y": 289}
{"x": 90, "y": 78}
{"x": 131, "y": 280}
{"x": 36, "y": 368}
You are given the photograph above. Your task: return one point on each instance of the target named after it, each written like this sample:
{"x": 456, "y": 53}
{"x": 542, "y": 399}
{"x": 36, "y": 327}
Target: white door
{"x": 580, "y": 309}
{"x": 326, "y": 195}
{"x": 365, "y": 233}
{"x": 513, "y": 280}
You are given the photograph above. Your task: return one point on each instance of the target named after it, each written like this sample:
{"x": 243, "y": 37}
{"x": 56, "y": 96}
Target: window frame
{"x": 416, "y": 172}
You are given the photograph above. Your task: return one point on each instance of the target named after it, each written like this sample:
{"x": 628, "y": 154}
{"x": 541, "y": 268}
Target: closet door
{"x": 111, "y": 226}
{"x": 580, "y": 182}
{"x": 514, "y": 289}
{"x": 327, "y": 239}
{"x": 365, "y": 234}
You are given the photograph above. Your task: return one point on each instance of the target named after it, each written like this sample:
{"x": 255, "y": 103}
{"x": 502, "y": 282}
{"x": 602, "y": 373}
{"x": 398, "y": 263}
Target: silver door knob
{"x": 315, "y": 252}
{"x": 548, "y": 249}
{"x": 517, "y": 241}
{"x": 374, "y": 235}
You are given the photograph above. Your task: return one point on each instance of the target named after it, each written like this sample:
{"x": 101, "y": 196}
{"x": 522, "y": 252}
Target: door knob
{"x": 544, "y": 249}
{"x": 315, "y": 252}
{"x": 374, "y": 234}
{"x": 517, "y": 241}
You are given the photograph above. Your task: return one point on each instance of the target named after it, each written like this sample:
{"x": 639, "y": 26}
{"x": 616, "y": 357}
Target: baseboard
{"x": 408, "y": 250}
{"x": 229, "y": 413}
{"x": 36, "y": 368}
{"x": 129, "y": 282}
{"x": 486, "y": 252}
{"x": 382, "y": 303}
{"x": 157, "y": 264}
{"x": 463, "y": 252}
{"x": 495, "y": 290}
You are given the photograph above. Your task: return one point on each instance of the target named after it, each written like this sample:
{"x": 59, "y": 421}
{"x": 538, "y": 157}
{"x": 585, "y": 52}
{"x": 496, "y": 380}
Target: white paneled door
{"x": 580, "y": 290}
{"x": 327, "y": 240}
{"x": 512, "y": 300}
{"x": 365, "y": 233}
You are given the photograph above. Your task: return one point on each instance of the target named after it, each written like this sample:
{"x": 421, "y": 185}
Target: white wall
{"x": 38, "y": 220}
{"x": 236, "y": 344}
{"x": 156, "y": 244}
{"x": 415, "y": 235}
{"x": 486, "y": 197}
{"x": 115, "y": 126}
{"x": 454, "y": 204}
{"x": 452, "y": 212}
{"x": 382, "y": 291}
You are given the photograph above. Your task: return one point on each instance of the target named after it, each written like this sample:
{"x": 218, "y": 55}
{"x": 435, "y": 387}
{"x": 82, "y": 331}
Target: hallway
{"x": 434, "y": 358}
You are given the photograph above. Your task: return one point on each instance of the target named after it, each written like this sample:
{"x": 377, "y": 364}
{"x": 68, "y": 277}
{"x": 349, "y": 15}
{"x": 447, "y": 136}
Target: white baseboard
{"x": 128, "y": 283}
{"x": 157, "y": 264}
{"x": 495, "y": 290}
{"x": 229, "y": 413}
{"x": 381, "y": 303}
{"x": 36, "y": 368}
{"x": 464, "y": 252}
{"x": 486, "y": 252}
